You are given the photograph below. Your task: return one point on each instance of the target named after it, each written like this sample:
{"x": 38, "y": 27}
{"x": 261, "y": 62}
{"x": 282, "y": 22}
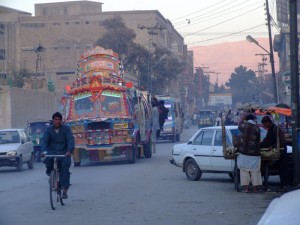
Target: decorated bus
{"x": 110, "y": 121}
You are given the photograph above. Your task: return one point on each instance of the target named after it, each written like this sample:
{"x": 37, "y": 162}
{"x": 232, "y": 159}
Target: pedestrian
{"x": 219, "y": 120}
{"x": 229, "y": 118}
{"x": 163, "y": 114}
{"x": 155, "y": 120}
{"x": 58, "y": 140}
{"x": 248, "y": 160}
{"x": 236, "y": 118}
{"x": 194, "y": 118}
{"x": 270, "y": 141}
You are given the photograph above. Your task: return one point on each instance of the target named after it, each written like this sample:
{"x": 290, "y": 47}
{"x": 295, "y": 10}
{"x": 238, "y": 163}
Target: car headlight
{"x": 12, "y": 153}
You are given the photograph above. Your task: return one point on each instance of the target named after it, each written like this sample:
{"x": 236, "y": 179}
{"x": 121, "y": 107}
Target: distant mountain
{"x": 225, "y": 57}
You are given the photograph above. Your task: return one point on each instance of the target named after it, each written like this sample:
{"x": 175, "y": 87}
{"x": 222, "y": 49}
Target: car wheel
{"x": 38, "y": 156}
{"x": 192, "y": 170}
{"x": 77, "y": 164}
{"x": 20, "y": 164}
{"x": 31, "y": 162}
{"x": 147, "y": 150}
{"x": 173, "y": 138}
{"x": 133, "y": 154}
{"x": 177, "y": 137}
{"x": 231, "y": 176}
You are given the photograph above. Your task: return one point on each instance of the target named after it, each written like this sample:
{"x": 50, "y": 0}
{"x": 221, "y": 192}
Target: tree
{"x": 118, "y": 37}
{"x": 135, "y": 57}
{"x": 241, "y": 85}
{"x": 165, "y": 67}
{"x": 18, "y": 78}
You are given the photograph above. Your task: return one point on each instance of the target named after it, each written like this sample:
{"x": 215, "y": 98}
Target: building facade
{"x": 65, "y": 30}
{"x": 49, "y": 44}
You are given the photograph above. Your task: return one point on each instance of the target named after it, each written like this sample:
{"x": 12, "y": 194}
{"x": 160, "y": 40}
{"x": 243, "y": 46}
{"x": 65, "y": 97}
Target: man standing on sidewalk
{"x": 249, "y": 160}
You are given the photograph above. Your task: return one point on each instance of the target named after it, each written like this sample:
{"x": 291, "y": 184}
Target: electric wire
{"x": 221, "y": 15}
{"x": 179, "y": 23}
{"x": 198, "y": 11}
{"x": 224, "y": 21}
{"x": 251, "y": 28}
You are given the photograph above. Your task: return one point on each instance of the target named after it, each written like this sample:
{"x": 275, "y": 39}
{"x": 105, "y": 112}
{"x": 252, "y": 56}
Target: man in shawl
{"x": 249, "y": 160}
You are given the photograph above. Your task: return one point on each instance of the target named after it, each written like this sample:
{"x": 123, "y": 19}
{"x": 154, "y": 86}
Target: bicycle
{"x": 54, "y": 182}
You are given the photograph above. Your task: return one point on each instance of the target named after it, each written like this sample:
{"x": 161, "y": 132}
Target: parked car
{"x": 283, "y": 210}
{"x": 16, "y": 149}
{"x": 204, "y": 152}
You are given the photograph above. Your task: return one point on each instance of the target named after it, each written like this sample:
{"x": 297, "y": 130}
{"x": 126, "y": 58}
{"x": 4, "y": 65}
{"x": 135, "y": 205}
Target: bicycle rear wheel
{"x": 53, "y": 189}
{"x": 59, "y": 196}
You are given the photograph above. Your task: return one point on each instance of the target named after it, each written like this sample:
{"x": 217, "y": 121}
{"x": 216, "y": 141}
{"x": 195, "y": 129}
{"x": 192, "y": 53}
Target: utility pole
{"x": 152, "y": 31}
{"x": 294, "y": 87}
{"x": 275, "y": 87}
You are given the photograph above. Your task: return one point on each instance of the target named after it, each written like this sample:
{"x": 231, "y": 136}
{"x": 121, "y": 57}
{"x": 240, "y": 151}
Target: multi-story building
{"x": 50, "y": 43}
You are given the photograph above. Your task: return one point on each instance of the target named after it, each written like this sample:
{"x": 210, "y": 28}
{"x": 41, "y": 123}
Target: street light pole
{"x": 275, "y": 91}
{"x": 295, "y": 88}
{"x": 272, "y": 55}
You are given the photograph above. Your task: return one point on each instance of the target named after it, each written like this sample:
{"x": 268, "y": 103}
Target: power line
{"x": 227, "y": 34}
{"x": 224, "y": 21}
{"x": 205, "y": 14}
{"x": 198, "y": 11}
{"x": 220, "y": 15}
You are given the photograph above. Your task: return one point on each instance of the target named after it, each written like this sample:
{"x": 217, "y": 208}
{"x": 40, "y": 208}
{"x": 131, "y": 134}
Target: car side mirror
{"x": 22, "y": 141}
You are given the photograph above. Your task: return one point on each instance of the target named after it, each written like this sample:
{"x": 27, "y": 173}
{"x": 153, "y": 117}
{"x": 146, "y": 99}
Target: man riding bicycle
{"x": 58, "y": 140}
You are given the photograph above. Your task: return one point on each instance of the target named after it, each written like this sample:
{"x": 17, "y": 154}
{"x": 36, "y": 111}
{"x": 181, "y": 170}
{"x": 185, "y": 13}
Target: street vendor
{"x": 270, "y": 141}
{"x": 249, "y": 160}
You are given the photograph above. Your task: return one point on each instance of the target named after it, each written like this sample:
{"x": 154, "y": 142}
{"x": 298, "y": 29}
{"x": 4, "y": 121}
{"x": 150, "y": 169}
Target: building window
{"x": 67, "y": 23}
{"x": 64, "y": 78}
{"x": 33, "y": 25}
{"x": 2, "y": 29}
{"x": 2, "y": 54}
{"x": 87, "y": 22}
{"x": 3, "y": 76}
{"x": 77, "y": 22}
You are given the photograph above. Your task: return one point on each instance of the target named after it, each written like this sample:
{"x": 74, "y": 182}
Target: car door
{"x": 25, "y": 147}
{"x": 202, "y": 147}
{"x": 218, "y": 162}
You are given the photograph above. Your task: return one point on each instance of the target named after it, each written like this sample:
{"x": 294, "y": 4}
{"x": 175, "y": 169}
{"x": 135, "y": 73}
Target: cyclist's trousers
{"x": 64, "y": 165}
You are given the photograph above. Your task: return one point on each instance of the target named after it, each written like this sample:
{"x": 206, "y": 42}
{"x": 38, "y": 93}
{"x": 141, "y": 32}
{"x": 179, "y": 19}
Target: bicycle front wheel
{"x": 53, "y": 188}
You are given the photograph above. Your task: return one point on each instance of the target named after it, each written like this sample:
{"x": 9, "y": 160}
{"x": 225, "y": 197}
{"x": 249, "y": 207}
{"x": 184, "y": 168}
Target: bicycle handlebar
{"x": 57, "y": 156}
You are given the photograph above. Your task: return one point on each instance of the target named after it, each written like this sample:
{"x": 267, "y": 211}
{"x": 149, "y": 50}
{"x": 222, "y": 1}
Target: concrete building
{"x": 50, "y": 44}
{"x": 65, "y": 30}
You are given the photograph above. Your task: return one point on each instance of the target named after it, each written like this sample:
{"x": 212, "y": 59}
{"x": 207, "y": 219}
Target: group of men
{"x": 159, "y": 116}
{"x": 249, "y": 160}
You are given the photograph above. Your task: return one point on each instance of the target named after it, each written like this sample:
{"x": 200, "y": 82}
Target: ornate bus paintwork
{"x": 109, "y": 121}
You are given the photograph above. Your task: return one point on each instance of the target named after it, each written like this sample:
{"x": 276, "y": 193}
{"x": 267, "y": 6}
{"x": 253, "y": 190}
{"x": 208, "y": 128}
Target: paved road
{"x": 152, "y": 191}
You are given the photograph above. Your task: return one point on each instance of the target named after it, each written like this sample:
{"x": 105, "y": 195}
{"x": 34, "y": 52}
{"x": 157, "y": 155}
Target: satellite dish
{"x": 39, "y": 49}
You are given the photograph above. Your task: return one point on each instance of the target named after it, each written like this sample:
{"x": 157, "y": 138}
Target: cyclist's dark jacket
{"x": 58, "y": 143}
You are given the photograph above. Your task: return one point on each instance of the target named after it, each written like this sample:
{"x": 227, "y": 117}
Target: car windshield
{"x": 37, "y": 128}
{"x": 7, "y": 137}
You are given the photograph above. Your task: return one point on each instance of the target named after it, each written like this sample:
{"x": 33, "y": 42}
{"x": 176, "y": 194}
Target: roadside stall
{"x": 269, "y": 157}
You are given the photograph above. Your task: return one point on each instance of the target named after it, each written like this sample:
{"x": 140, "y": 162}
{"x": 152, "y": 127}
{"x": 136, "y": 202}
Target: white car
{"x": 283, "y": 210}
{"x": 204, "y": 153}
{"x": 16, "y": 148}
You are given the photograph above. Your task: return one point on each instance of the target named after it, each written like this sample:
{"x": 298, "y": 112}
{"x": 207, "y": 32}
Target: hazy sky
{"x": 200, "y": 22}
